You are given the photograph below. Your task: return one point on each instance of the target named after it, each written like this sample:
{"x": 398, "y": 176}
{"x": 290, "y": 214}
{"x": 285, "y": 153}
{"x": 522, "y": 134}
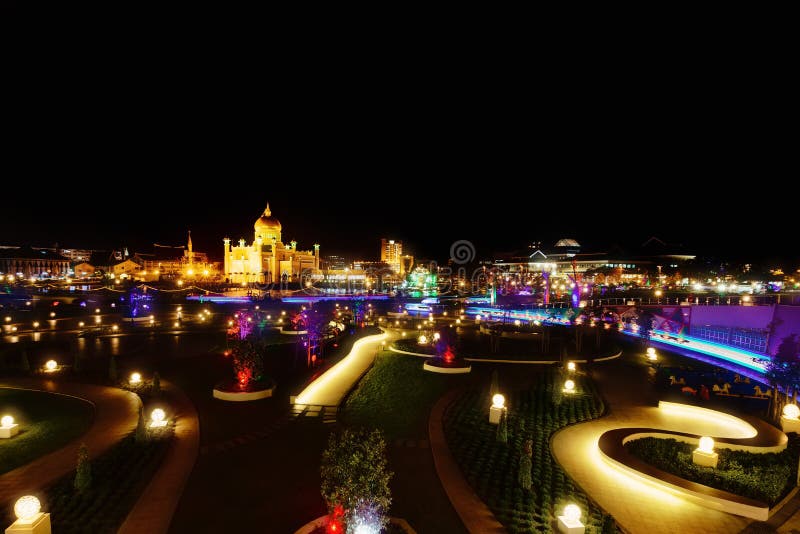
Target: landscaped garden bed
{"x": 765, "y": 477}
{"x": 395, "y": 396}
{"x": 118, "y": 478}
{"x": 492, "y": 467}
{"x": 47, "y": 423}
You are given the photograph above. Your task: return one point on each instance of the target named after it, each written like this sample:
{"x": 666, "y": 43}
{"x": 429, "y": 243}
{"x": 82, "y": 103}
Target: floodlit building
{"x": 391, "y": 254}
{"x": 268, "y": 259}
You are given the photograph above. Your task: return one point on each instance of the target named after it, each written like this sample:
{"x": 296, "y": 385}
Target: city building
{"x": 334, "y": 263}
{"x": 182, "y": 262}
{"x": 267, "y": 259}
{"x": 391, "y": 254}
{"x": 27, "y": 262}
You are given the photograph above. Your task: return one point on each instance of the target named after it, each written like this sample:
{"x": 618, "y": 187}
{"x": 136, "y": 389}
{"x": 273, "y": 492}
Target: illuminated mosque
{"x": 268, "y": 260}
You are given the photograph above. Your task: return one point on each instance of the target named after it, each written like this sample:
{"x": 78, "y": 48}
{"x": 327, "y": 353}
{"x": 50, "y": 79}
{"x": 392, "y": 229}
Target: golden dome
{"x": 267, "y": 222}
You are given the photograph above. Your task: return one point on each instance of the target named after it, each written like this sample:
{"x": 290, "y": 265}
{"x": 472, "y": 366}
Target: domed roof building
{"x": 268, "y": 260}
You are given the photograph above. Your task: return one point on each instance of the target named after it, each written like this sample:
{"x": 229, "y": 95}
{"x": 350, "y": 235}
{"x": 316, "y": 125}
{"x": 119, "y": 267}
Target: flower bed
{"x": 118, "y": 478}
{"x": 764, "y": 477}
{"x": 491, "y": 467}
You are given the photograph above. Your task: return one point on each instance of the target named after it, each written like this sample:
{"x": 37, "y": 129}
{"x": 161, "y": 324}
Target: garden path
{"x": 116, "y": 415}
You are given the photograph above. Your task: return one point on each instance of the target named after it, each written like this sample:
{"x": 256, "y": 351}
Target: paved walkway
{"x": 331, "y": 387}
{"x": 153, "y": 512}
{"x": 637, "y": 506}
{"x": 116, "y": 414}
{"x": 475, "y": 515}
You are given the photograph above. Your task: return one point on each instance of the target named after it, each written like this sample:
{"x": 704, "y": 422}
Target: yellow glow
{"x": 27, "y": 507}
{"x": 498, "y": 400}
{"x": 436, "y": 336}
{"x": 190, "y": 272}
{"x": 571, "y": 366}
{"x": 458, "y": 321}
{"x": 327, "y": 381}
{"x": 569, "y": 386}
{"x": 517, "y": 322}
{"x": 115, "y": 328}
{"x": 180, "y": 282}
{"x": 205, "y": 272}
{"x": 97, "y": 320}
{"x": 230, "y": 323}
{"x": 81, "y": 324}
{"x": 737, "y": 427}
{"x": 791, "y": 411}
{"x": 97, "y": 310}
{"x": 136, "y": 378}
{"x": 176, "y": 324}
{"x": 51, "y": 365}
{"x": 422, "y": 340}
{"x": 706, "y": 444}
{"x": 658, "y": 292}
{"x": 6, "y": 421}
{"x": 572, "y": 512}
{"x": 36, "y": 324}
{"x": 8, "y": 319}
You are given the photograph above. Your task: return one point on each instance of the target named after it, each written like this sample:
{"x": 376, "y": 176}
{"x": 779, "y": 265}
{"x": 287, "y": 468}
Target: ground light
{"x": 51, "y": 366}
{"x": 790, "y": 420}
{"x": 8, "y": 429}
{"x": 136, "y": 378}
{"x": 569, "y": 386}
{"x": 570, "y": 366}
{"x": 30, "y": 519}
{"x": 422, "y": 340}
{"x": 704, "y": 454}
{"x": 651, "y": 354}
{"x": 497, "y": 408}
{"x": 158, "y": 418}
{"x": 570, "y": 520}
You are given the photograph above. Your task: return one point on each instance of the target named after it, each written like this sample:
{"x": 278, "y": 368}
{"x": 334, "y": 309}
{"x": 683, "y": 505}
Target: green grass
{"x": 492, "y": 467}
{"x": 118, "y": 478}
{"x": 765, "y": 477}
{"x": 46, "y": 421}
{"x": 395, "y": 395}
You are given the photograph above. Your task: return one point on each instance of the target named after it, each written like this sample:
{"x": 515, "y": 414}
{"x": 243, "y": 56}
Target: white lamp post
{"x": 30, "y": 519}
{"x": 158, "y": 418}
{"x": 569, "y": 386}
{"x": 8, "y": 428}
{"x": 704, "y": 453}
{"x": 570, "y": 366}
{"x": 790, "y": 420}
{"x": 497, "y": 408}
{"x": 570, "y": 521}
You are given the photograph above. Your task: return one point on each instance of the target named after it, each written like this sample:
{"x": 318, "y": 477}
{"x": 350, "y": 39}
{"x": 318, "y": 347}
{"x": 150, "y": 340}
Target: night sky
{"x": 597, "y": 173}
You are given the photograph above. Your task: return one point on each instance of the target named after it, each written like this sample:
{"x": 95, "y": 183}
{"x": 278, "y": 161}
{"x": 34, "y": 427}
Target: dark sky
{"x": 709, "y": 169}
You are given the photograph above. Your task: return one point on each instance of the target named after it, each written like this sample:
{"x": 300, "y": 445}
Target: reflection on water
{"x": 114, "y": 346}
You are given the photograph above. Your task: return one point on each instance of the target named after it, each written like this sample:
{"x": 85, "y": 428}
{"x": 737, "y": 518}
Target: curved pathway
{"x": 153, "y": 511}
{"x": 332, "y": 386}
{"x": 115, "y": 416}
{"x": 474, "y": 513}
{"x": 638, "y": 505}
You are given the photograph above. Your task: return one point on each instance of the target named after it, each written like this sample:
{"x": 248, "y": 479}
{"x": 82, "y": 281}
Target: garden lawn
{"x": 46, "y": 421}
{"x": 118, "y": 478}
{"x": 395, "y": 396}
{"x": 492, "y": 467}
{"x": 764, "y": 477}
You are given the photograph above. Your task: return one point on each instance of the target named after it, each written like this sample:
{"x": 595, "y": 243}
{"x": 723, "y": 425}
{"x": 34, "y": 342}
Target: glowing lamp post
{"x": 704, "y": 453}
{"x": 570, "y": 521}
{"x": 570, "y": 366}
{"x": 136, "y": 379}
{"x": 651, "y": 354}
{"x": 30, "y": 519}
{"x": 569, "y": 386}
{"x": 422, "y": 340}
{"x": 51, "y": 366}
{"x": 790, "y": 420}
{"x": 497, "y": 408}
{"x": 158, "y": 418}
{"x": 8, "y": 428}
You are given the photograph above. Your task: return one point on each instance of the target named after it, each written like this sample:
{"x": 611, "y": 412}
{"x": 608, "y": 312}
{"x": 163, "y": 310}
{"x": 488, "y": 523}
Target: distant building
{"x": 27, "y": 262}
{"x": 391, "y": 253}
{"x": 335, "y": 263}
{"x": 176, "y": 262}
{"x": 268, "y": 260}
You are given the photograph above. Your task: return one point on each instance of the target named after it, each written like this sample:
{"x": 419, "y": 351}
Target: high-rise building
{"x": 391, "y": 252}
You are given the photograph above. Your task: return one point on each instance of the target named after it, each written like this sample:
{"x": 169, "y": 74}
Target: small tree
{"x": 112, "y": 369}
{"x": 525, "y": 465}
{"x": 502, "y": 428}
{"x": 156, "y": 389}
{"x": 355, "y": 479}
{"x": 25, "y": 364}
{"x": 83, "y": 473}
{"x": 141, "y": 430}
